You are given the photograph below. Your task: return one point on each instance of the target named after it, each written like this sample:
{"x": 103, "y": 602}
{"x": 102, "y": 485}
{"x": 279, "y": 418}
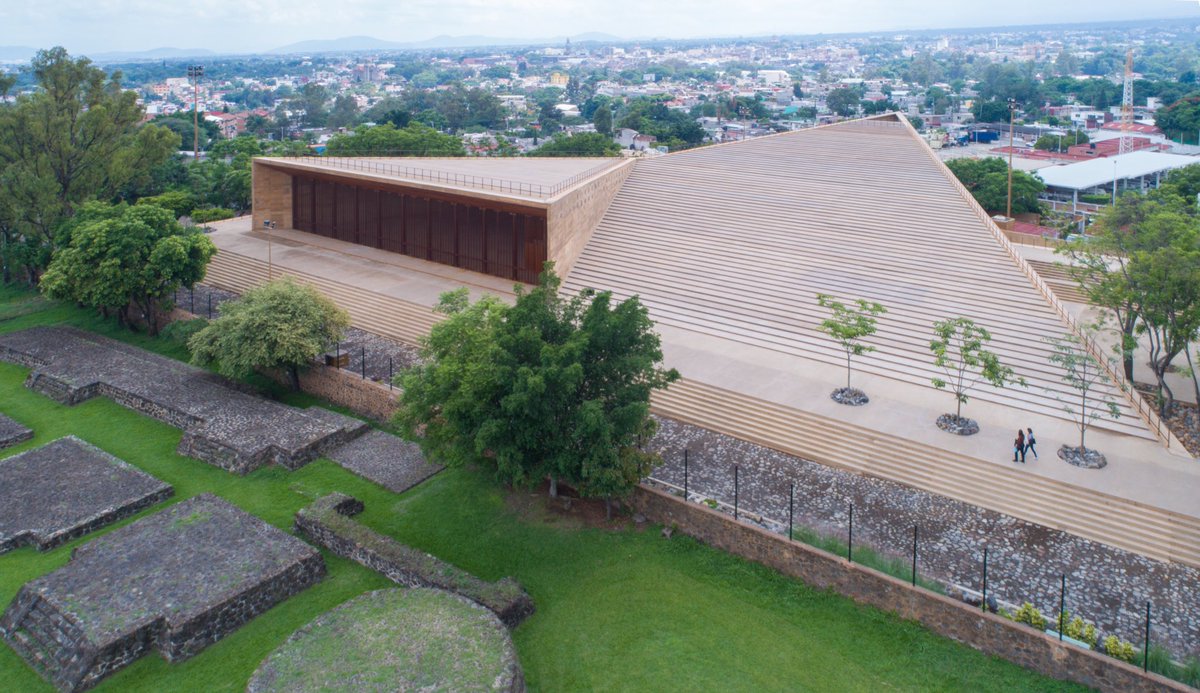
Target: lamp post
{"x": 194, "y": 73}
{"x": 1114, "y": 195}
{"x": 1012, "y": 109}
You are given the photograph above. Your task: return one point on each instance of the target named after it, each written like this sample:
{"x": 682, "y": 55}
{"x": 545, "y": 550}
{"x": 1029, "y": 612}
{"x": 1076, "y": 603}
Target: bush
{"x": 1029, "y": 614}
{"x": 204, "y": 216}
{"x": 1078, "y": 629}
{"x": 1096, "y": 199}
{"x": 178, "y": 202}
{"x": 181, "y": 331}
{"x": 1119, "y": 649}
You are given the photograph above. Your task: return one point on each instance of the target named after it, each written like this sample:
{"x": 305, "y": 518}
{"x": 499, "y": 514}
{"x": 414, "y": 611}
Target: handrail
{"x": 364, "y": 163}
{"x": 1135, "y": 401}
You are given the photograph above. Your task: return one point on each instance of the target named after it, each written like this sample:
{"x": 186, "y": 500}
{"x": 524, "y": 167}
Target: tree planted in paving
{"x": 120, "y": 257}
{"x": 281, "y": 324}
{"x": 552, "y": 386}
{"x": 849, "y": 324}
{"x": 959, "y": 348}
{"x": 78, "y": 137}
{"x": 1083, "y": 374}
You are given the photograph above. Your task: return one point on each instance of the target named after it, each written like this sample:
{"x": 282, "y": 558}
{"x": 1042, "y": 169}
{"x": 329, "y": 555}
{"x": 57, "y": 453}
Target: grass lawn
{"x": 616, "y": 610}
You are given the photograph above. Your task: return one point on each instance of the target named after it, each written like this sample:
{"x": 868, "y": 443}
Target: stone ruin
{"x": 223, "y": 423}
{"x": 67, "y": 488}
{"x": 176, "y": 581}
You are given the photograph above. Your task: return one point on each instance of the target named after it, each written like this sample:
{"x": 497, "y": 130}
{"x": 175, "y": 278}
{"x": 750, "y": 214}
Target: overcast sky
{"x": 252, "y": 25}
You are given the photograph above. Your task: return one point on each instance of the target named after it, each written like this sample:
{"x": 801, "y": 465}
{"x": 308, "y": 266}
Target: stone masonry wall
{"x": 987, "y": 633}
{"x": 344, "y": 388}
{"x": 327, "y": 523}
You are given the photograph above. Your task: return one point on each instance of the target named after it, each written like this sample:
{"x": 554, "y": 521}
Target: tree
{"x": 959, "y": 348}
{"x": 1083, "y": 374}
{"x": 582, "y": 144}
{"x": 990, "y": 111}
{"x": 848, "y": 325}
{"x": 280, "y": 324}
{"x": 1165, "y": 284}
{"x": 602, "y": 119}
{"x": 344, "y": 113}
{"x": 1180, "y": 120}
{"x": 843, "y": 101}
{"x": 121, "y": 256}
{"x": 987, "y": 181}
{"x": 313, "y": 98}
{"x": 387, "y": 140}
{"x": 1060, "y": 143}
{"x": 79, "y": 137}
{"x": 553, "y": 386}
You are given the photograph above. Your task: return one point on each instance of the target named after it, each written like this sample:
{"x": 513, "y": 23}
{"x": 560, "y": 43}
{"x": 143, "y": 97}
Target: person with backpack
{"x": 1019, "y": 447}
{"x": 1029, "y": 442}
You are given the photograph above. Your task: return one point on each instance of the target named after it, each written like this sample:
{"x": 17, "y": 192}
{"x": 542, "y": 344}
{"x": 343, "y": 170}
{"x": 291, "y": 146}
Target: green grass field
{"x": 616, "y": 610}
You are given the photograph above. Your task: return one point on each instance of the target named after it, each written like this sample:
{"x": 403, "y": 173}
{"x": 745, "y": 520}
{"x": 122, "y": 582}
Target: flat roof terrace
{"x": 538, "y": 178}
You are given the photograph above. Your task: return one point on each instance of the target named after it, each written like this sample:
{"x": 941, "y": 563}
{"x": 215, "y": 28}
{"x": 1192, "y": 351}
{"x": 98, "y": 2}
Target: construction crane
{"x": 1127, "y": 106}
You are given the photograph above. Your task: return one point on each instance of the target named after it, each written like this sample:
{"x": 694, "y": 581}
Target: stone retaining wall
{"x": 987, "y": 633}
{"x": 360, "y": 395}
{"x": 327, "y": 523}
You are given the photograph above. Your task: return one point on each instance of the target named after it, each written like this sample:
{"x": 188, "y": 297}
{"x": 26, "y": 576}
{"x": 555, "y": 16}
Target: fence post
{"x": 983, "y": 603}
{"x": 914, "y": 557}
{"x": 1062, "y": 605}
{"x": 192, "y": 291}
{"x": 791, "y": 508}
{"x": 337, "y": 355}
{"x": 1146, "y": 650}
{"x": 735, "y": 491}
{"x": 363, "y": 365}
{"x": 850, "y": 537}
{"x": 390, "y": 376}
{"x": 210, "y": 306}
{"x": 685, "y": 479}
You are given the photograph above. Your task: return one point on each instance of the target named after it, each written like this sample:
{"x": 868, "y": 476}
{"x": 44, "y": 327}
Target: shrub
{"x": 181, "y": 331}
{"x": 1077, "y": 628}
{"x": 711, "y": 502}
{"x": 1096, "y": 199}
{"x": 1118, "y": 648}
{"x": 1029, "y": 614}
{"x": 204, "y": 216}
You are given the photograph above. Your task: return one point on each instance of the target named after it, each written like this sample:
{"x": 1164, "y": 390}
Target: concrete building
{"x": 728, "y": 246}
{"x": 1140, "y": 170}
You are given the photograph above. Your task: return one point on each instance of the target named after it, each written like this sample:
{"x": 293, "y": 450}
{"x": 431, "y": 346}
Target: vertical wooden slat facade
{"x": 474, "y": 236}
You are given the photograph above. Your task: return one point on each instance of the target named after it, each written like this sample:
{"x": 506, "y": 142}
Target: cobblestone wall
{"x": 985, "y": 632}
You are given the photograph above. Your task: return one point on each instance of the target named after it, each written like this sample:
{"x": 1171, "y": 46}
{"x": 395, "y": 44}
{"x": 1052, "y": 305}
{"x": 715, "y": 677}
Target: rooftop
{"x": 538, "y": 178}
{"x": 1097, "y": 172}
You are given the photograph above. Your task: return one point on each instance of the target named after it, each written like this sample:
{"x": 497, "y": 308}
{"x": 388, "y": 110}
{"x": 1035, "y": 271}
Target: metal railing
{"x": 1132, "y": 397}
{"x": 371, "y": 164}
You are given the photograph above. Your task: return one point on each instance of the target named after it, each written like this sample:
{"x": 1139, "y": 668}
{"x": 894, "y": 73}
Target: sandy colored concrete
{"x": 1139, "y": 469}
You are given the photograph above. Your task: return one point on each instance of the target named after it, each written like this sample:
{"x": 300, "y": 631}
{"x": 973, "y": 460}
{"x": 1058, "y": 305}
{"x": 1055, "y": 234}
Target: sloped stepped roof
{"x": 735, "y": 242}
{"x": 525, "y": 177}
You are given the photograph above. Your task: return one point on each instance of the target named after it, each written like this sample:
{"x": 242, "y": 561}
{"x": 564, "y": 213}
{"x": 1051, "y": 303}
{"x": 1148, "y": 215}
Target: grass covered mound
{"x": 396, "y": 640}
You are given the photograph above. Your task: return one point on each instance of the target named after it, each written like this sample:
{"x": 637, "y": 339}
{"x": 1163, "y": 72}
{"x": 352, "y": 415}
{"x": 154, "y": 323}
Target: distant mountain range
{"x": 24, "y": 53}
{"x": 349, "y": 44}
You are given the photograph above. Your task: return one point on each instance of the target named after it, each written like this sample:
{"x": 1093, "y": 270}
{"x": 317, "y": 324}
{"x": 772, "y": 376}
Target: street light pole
{"x": 195, "y": 72}
{"x": 1012, "y": 109}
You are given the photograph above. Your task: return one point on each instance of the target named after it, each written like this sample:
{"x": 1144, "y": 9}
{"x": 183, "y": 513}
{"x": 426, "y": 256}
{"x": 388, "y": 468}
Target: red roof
{"x": 1140, "y": 128}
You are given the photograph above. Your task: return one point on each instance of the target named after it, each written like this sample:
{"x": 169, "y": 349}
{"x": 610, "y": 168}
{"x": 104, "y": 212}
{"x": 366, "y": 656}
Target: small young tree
{"x": 960, "y": 349}
{"x": 848, "y": 325}
{"x": 1085, "y": 376}
{"x": 277, "y": 325}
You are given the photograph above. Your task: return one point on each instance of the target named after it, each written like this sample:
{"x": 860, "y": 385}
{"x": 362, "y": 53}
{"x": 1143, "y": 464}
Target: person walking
{"x": 1019, "y": 447}
{"x": 1029, "y": 443}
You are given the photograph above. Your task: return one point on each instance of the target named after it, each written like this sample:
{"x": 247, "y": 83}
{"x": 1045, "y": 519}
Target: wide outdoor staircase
{"x": 378, "y": 313}
{"x": 49, "y": 641}
{"x": 1059, "y": 279}
{"x": 1126, "y": 524}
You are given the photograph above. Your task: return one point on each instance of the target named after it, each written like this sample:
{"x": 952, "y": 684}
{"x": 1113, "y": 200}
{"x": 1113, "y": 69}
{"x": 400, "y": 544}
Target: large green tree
{"x": 843, "y": 101}
{"x": 552, "y": 386}
{"x": 77, "y": 137}
{"x": 582, "y": 144}
{"x": 387, "y": 140}
{"x": 1180, "y": 120}
{"x": 121, "y": 259}
{"x": 280, "y": 324}
{"x": 987, "y": 181}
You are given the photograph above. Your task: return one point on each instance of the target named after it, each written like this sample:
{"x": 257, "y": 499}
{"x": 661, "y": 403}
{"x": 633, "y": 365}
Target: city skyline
{"x": 253, "y": 26}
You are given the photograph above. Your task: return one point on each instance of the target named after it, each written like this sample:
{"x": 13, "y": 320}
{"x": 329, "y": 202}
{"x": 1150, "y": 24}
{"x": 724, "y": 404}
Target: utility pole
{"x": 194, "y": 73}
{"x": 1012, "y": 109}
